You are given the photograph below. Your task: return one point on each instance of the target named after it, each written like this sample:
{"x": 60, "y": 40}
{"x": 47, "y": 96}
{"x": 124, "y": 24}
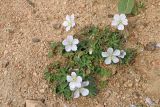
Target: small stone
{"x": 151, "y": 46}
{"x": 34, "y": 103}
{"x": 149, "y": 101}
{"x": 99, "y": 105}
{"x": 130, "y": 84}
{"x": 56, "y": 26}
{"x": 42, "y": 90}
{"x": 5, "y": 64}
{"x": 133, "y": 105}
{"x": 158, "y": 45}
{"x": 35, "y": 40}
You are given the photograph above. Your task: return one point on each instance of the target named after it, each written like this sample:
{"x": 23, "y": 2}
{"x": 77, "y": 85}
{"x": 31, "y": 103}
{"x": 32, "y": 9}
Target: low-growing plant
{"x": 86, "y": 62}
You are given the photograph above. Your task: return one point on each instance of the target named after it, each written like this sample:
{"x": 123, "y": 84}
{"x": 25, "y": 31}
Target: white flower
{"x": 119, "y": 21}
{"x": 111, "y": 56}
{"x": 83, "y": 91}
{"x": 74, "y": 81}
{"x": 122, "y": 54}
{"x": 69, "y": 22}
{"x": 70, "y": 43}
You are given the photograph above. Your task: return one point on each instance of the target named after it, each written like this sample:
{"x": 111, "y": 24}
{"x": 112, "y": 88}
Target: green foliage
{"x": 50, "y": 54}
{"x": 114, "y": 40}
{"x": 102, "y": 84}
{"x": 88, "y": 64}
{"x": 103, "y": 72}
{"x": 137, "y": 7}
{"x": 126, "y": 6}
{"x": 141, "y": 5}
{"x": 129, "y": 58}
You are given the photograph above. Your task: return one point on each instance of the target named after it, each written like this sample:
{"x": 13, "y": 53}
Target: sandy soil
{"x": 23, "y": 60}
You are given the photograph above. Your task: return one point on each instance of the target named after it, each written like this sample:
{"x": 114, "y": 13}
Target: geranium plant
{"x": 79, "y": 69}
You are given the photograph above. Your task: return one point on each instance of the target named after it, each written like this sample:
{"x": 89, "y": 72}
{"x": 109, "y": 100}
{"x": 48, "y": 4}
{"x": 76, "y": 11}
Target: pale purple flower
{"x": 111, "y": 56}
{"x": 119, "y": 21}
{"x": 69, "y": 22}
{"x": 70, "y": 43}
{"x": 74, "y": 81}
{"x": 83, "y": 91}
{"x": 122, "y": 54}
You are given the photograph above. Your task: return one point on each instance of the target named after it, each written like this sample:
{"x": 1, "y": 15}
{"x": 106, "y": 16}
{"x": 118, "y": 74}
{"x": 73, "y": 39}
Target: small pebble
{"x": 149, "y": 101}
{"x": 5, "y": 64}
{"x": 158, "y": 45}
{"x": 56, "y": 26}
{"x": 133, "y": 105}
{"x": 35, "y": 40}
{"x": 151, "y": 46}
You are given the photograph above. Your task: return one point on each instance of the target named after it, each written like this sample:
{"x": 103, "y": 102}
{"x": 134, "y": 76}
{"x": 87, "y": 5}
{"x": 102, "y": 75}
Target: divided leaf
{"x": 126, "y": 6}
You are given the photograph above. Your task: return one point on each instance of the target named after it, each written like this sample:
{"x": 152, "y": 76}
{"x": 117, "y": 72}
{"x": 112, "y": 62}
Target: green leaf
{"x": 49, "y": 76}
{"x": 103, "y": 72}
{"x": 126, "y": 6}
{"x": 53, "y": 45}
{"x": 50, "y": 54}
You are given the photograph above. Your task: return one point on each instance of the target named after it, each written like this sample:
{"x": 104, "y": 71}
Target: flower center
{"x": 70, "y": 43}
{"x": 120, "y": 22}
{"x": 69, "y": 23}
{"x": 74, "y": 79}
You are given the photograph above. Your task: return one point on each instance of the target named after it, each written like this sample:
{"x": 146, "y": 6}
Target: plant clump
{"x": 83, "y": 61}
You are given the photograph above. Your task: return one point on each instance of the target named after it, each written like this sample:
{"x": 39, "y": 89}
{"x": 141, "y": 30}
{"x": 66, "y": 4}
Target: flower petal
{"x": 68, "y": 18}
{"x": 73, "y": 74}
{"x": 85, "y": 83}
{"x": 120, "y": 27}
{"x": 79, "y": 79}
{"x": 84, "y": 91}
{"x": 78, "y": 84}
{"x": 65, "y": 42}
{"x": 72, "y": 85}
{"x": 122, "y": 54}
{"x": 72, "y": 17}
{"x": 115, "y": 59}
{"x": 72, "y": 88}
{"x": 65, "y": 23}
{"x": 74, "y": 47}
{"x": 69, "y": 78}
{"x": 108, "y": 60}
{"x": 73, "y": 23}
{"x": 114, "y": 23}
{"x": 68, "y": 28}
{"x": 125, "y": 22}
{"x": 116, "y": 17}
{"x": 70, "y": 38}
{"x": 68, "y": 48}
{"x": 76, "y": 94}
{"x": 110, "y": 51}
{"x": 105, "y": 54}
{"x": 122, "y": 16}
{"x": 116, "y": 52}
{"x": 75, "y": 41}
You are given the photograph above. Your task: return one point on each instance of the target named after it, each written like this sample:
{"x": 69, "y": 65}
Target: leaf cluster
{"x": 86, "y": 64}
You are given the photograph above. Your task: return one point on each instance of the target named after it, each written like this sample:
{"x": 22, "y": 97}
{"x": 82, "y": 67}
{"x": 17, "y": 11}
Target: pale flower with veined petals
{"x": 83, "y": 91}
{"x": 69, "y": 22}
{"x": 111, "y": 56}
{"x": 119, "y": 21}
{"x": 122, "y": 54}
{"x": 74, "y": 81}
{"x": 70, "y": 43}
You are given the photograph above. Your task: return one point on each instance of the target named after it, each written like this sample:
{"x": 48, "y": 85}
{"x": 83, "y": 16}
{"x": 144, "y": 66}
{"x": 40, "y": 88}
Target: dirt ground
{"x": 27, "y": 26}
